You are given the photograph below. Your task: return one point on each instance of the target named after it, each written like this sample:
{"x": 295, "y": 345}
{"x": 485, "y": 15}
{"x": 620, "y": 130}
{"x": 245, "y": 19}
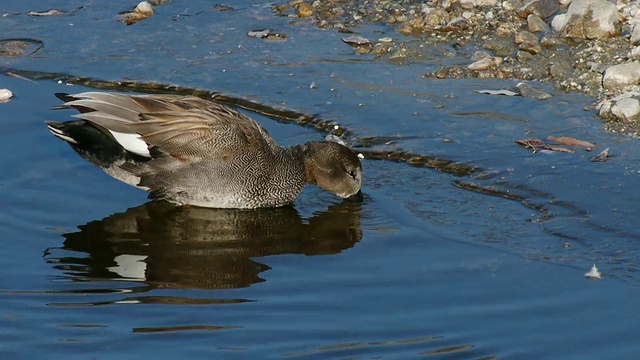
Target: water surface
{"x": 422, "y": 268}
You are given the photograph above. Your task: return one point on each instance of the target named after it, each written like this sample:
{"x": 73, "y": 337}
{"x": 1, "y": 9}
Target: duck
{"x": 193, "y": 151}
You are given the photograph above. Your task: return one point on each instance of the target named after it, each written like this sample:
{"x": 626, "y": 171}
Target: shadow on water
{"x": 189, "y": 247}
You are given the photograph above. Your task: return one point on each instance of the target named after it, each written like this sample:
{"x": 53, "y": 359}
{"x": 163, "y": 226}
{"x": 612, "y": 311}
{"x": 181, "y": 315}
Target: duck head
{"x": 333, "y": 167}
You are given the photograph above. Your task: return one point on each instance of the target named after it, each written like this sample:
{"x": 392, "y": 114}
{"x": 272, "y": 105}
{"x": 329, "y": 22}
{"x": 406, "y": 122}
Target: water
{"x": 422, "y": 268}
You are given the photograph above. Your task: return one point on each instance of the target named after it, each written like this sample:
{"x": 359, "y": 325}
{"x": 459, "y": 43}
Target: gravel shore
{"x": 590, "y": 46}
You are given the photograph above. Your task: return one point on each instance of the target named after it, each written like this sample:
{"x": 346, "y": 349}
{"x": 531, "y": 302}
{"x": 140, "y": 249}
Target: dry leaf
{"x": 569, "y": 141}
{"x": 503, "y": 92}
{"x": 538, "y": 145}
{"x": 356, "y": 40}
{"x": 558, "y": 149}
{"x": 46, "y": 13}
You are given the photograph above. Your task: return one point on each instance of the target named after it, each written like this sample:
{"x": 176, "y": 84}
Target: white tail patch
{"x": 132, "y": 143}
{"x": 61, "y": 135}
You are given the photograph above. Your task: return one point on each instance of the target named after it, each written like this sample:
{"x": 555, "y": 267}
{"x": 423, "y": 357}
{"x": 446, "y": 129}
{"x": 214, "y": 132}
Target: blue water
{"x": 422, "y": 268}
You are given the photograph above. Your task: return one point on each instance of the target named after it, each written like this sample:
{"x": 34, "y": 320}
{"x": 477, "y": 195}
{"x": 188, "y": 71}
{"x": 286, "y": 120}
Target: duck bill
{"x": 357, "y": 197}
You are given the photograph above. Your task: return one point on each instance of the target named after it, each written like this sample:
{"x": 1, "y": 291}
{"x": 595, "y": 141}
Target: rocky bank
{"x": 591, "y": 46}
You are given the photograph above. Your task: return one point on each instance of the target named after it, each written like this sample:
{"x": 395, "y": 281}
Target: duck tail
{"x": 97, "y": 148}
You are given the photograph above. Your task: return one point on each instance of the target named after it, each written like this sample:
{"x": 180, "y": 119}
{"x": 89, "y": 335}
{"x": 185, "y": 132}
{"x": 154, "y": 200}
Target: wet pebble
{"x": 260, "y": 34}
{"x": 399, "y": 54}
{"x": 528, "y": 91}
{"x": 356, "y": 40}
{"x": 304, "y": 9}
{"x": 266, "y": 34}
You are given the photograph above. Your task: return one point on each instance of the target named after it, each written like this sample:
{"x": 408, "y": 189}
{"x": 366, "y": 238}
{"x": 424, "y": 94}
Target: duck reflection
{"x": 189, "y": 247}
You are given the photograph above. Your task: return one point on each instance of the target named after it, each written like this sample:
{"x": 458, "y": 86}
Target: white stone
{"x": 467, "y": 4}
{"x": 486, "y": 2}
{"x": 508, "y": 5}
{"x": 618, "y": 76}
{"x": 559, "y": 22}
{"x": 565, "y": 2}
{"x": 626, "y": 109}
{"x": 605, "y": 109}
{"x": 5, "y": 95}
{"x": 144, "y": 7}
{"x": 635, "y": 35}
{"x": 485, "y": 63}
{"x": 635, "y": 53}
{"x": 590, "y": 19}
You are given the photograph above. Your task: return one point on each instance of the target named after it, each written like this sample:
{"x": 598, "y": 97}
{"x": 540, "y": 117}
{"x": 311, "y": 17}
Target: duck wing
{"x": 186, "y": 128}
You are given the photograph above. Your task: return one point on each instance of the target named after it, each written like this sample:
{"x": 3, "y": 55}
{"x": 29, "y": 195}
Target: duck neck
{"x": 302, "y": 158}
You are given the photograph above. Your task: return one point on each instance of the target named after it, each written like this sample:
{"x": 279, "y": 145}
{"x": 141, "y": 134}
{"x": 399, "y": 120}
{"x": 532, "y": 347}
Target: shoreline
{"x": 588, "y": 46}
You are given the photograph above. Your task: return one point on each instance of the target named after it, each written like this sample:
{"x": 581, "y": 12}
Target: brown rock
{"x": 536, "y": 25}
{"x": 305, "y": 10}
{"x": 523, "y": 56}
{"x": 507, "y": 29}
{"x": 532, "y": 48}
{"x": 558, "y": 70}
{"x": 541, "y": 8}
{"x": 526, "y": 37}
{"x": 436, "y": 18}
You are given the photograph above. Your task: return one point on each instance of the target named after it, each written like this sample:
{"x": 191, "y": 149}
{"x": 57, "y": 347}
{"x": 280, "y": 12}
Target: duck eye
{"x": 351, "y": 173}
